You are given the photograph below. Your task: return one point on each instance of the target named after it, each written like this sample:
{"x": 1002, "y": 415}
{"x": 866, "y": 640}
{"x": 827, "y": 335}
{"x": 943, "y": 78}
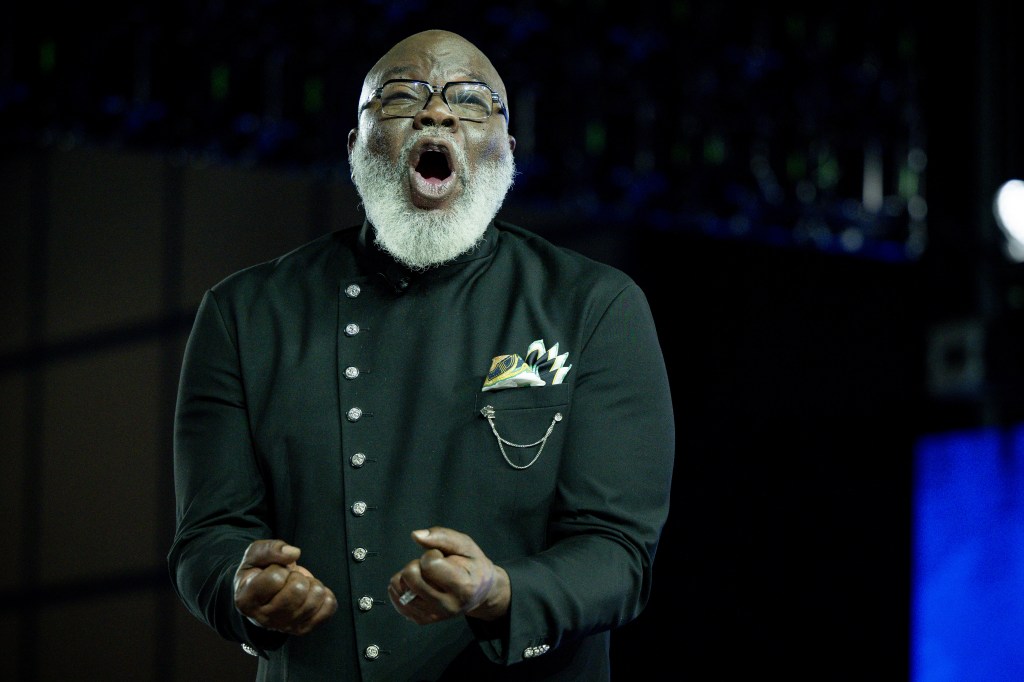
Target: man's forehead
{"x": 434, "y": 56}
{"x": 430, "y": 64}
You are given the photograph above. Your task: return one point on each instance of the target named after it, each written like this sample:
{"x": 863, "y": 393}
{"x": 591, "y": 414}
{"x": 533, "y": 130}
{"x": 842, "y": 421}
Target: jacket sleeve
{"x": 612, "y": 494}
{"x": 220, "y": 496}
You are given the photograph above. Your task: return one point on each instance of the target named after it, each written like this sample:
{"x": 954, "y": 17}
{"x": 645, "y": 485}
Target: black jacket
{"x": 268, "y": 445}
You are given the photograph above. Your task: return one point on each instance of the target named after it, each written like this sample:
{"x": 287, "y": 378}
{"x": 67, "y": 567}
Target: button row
{"x": 357, "y": 460}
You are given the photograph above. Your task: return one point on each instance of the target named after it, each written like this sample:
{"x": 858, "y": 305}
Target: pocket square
{"x": 542, "y": 365}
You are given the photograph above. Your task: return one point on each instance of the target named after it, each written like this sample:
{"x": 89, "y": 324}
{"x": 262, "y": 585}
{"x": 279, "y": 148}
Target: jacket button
{"x": 359, "y": 553}
{"x": 354, "y": 413}
{"x": 365, "y": 603}
{"x": 351, "y": 372}
{"x": 372, "y": 652}
{"x": 351, "y": 329}
{"x": 352, "y": 290}
{"x": 357, "y": 460}
{"x": 359, "y": 508}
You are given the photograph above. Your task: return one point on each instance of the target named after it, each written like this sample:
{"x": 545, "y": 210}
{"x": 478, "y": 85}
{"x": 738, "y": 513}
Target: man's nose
{"x": 436, "y": 113}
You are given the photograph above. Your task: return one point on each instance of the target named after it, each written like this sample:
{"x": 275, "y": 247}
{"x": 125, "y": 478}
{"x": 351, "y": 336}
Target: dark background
{"x": 802, "y": 190}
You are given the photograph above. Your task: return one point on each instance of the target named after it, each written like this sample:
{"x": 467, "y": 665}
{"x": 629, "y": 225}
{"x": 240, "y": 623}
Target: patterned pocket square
{"x": 542, "y": 365}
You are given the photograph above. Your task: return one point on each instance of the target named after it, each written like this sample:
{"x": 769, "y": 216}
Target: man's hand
{"x": 451, "y": 578}
{"x": 276, "y": 593}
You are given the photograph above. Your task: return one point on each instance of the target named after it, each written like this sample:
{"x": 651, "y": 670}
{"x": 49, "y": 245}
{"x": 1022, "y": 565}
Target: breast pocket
{"x": 525, "y": 423}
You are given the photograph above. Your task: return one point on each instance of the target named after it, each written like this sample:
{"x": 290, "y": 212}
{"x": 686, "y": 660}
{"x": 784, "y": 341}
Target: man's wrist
{"x": 497, "y": 602}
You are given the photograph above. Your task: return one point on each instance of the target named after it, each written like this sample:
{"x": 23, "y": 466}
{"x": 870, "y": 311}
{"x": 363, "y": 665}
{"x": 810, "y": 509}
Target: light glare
{"x": 1009, "y": 210}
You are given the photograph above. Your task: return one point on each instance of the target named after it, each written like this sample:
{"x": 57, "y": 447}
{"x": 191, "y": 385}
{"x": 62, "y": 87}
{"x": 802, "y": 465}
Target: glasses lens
{"x": 403, "y": 99}
{"x": 466, "y": 100}
{"x": 469, "y": 100}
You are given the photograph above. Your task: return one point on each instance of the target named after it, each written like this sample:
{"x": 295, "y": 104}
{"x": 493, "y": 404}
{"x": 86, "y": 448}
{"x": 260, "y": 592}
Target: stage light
{"x": 1009, "y": 209}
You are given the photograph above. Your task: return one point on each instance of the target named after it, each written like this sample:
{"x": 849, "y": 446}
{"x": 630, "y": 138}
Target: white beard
{"x": 420, "y": 238}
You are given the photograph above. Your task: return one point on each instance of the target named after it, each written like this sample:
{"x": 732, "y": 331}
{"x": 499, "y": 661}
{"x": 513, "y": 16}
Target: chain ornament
{"x": 489, "y": 413}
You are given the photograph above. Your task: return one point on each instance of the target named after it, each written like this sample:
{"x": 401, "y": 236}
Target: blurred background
{"x": 804, "y": 190}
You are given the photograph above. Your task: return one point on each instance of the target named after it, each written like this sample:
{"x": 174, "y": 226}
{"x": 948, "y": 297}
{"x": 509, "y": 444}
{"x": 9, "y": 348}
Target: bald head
{"x": 434, "y": 56}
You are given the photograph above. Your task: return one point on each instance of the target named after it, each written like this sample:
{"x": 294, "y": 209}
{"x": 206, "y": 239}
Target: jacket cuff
{"x": 492, "y": 636}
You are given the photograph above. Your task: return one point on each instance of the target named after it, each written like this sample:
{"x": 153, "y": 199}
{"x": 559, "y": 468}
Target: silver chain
{"x": 489, "y": 413}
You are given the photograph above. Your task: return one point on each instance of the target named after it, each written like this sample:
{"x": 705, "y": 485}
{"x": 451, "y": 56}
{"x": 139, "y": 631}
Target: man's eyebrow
{"x": 399, "y": 71}
{"x": 392, "y": 72}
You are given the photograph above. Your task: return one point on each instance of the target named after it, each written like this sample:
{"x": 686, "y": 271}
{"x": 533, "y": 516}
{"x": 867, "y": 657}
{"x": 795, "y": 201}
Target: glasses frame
{"x": 434, "y": 90}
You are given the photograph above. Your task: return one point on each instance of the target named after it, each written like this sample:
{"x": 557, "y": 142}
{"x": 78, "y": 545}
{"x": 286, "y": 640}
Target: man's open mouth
{"x": 433, "y": 164}
{"x": 432, "y": 161}
{"x": 433, "y": 172}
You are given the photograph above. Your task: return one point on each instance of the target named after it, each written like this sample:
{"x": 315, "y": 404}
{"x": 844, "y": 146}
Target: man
{"x": 433, "y": 446}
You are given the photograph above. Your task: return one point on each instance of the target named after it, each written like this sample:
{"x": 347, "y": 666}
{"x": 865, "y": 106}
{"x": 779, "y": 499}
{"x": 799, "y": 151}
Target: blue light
{"x": 968, "y": 575}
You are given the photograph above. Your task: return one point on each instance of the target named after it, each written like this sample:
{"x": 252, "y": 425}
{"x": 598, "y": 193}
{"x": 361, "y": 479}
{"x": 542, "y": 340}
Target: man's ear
{"x": 511, "y": 143}
{"x": 351, "y": 139}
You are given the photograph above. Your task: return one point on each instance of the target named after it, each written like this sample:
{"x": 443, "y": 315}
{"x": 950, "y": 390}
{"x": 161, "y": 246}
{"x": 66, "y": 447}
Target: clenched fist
{"x": 274, "y": 592}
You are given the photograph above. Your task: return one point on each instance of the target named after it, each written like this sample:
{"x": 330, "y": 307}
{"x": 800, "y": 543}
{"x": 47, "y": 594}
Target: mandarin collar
{"x": 376, "y": 260}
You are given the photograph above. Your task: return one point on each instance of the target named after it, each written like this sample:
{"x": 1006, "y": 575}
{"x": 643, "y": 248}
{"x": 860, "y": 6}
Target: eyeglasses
{"x": 469, "y": 100}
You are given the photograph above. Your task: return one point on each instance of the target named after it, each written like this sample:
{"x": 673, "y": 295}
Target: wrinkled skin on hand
{"x": 451, "y": 578}
{"x": 274, "y": 592}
